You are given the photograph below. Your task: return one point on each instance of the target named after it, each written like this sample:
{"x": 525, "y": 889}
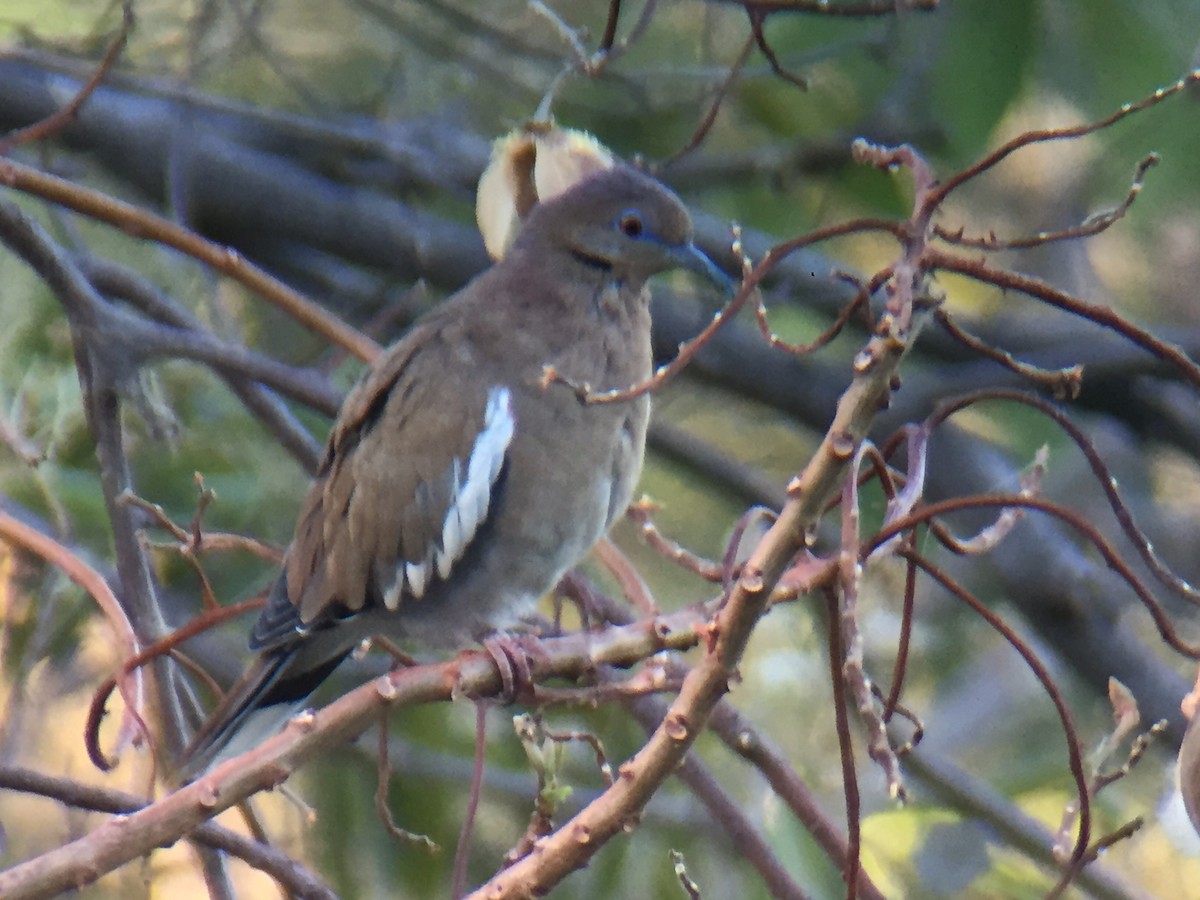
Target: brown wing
{"x": 406, "y": 482}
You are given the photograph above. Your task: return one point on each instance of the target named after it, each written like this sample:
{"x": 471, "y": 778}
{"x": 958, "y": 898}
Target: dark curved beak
{"x": 690, "y": 257}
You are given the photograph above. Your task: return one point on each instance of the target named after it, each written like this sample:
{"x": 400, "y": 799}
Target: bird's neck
{"x": 597, "y": 320}
{"x": 614, "y": 291}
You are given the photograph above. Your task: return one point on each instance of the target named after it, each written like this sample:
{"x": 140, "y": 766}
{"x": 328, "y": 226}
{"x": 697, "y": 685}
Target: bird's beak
{"x": 693, "y": 259}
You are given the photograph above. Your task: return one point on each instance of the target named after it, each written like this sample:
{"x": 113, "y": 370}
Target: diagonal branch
{"x": 288, "y": 872}
{"x": 578, "y": 840}
{"x": 124, "y": 839}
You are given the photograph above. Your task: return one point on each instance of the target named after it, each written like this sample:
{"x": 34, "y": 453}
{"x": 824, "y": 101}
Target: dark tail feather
{"x": 256, "y": 707}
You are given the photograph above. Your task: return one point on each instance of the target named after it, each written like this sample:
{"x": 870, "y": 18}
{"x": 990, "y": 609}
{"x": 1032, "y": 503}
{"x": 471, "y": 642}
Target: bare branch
{"x": 1092, "y": 225}
{"x": 290, "y": 874}
{"x": 1040, "y": 136}
{"x": 117, "y": 842}
{"x": 61, "y": 118}
{"x": 139, "y": 222}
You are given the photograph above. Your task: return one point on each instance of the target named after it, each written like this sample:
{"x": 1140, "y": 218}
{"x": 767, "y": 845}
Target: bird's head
{"x": 622, "y": 221}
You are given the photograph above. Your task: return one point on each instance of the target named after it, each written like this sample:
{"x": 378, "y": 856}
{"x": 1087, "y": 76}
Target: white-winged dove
{"x": 457, "y": 487}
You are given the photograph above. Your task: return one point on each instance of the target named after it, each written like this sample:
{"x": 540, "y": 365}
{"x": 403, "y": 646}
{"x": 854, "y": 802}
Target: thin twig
{"x": 1079, "y": 522}
{"x": 710, "y": 117}
{"x": 938, "y": 196}
{"x": 1039, "y": 670}
{"x": 61, "y": 118}
{"x": 757, "y": 18}
{"x": 290, "y": 874}
{"x": 1064, "y": 383}
{"x": 141, "y": 223}
{"x": 1090, "y": 226}
{"x": 690, "y": 348}
{"x": 383, "y": 781}
{"x": 1104, "y": 478}
{"x": 837, "y": 653}
{"x": 1093, "y": 312}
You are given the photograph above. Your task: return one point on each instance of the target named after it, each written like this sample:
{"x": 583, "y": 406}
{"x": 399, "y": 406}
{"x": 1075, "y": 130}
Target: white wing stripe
{"x": 452, "y": 529}
{"x": 469, "y": 503}
{"x": 470, "y": 495}
{"x": 391, "y": 594}
{"x": 416, "y": 573}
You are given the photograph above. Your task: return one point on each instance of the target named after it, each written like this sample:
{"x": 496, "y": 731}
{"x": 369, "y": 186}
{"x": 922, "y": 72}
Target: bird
{"x": 458, "y": 483}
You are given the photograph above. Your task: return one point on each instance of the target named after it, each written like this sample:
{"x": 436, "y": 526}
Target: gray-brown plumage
{"x": 456, "y": 486}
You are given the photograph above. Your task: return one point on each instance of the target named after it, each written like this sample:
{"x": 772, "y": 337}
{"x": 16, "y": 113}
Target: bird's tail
{"x": 270, "y": 692}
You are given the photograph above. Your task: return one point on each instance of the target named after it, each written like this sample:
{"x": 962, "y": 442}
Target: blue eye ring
{"x": 630, "y": 223}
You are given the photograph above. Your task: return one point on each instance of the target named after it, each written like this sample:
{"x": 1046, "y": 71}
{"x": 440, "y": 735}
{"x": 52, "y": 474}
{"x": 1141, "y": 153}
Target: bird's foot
{"x": 512, "y": 661}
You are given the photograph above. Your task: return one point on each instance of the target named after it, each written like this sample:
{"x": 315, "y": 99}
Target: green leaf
{"x": 984, "y": 59}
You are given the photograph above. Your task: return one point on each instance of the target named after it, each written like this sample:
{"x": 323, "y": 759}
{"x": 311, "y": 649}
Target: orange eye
{"x": 630, "y": 224}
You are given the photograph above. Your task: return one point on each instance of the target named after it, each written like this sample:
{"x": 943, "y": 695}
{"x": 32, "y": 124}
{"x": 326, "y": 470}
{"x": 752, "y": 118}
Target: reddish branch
{"x": 848, "y": 8}
{"x": 123, "y": 840}
{"x": 130, "y": 682}
{"x": 134, "y": 661}
{"x": 727, "y": 635}
{"x": 837, "y": 653}
{"x": 291, "y": 875}
{"x": 758, "y": 18}
{"x": 859, "y": 303}
{"x": 1064, "y": 383}
{"x": 723, "y": 628}
{"x": 1104, "y": 479}
{"x": 141, "y": 223}
{"x": 610, "y": 26}
{"x": 1091, "y": 226}
{"x": 1102, "y": 315}
{"x": 1074, "y": 752}
{"x": 938, "y": 196}
{"x": 53, "y": 124}
{"x": 1112, "y": 558}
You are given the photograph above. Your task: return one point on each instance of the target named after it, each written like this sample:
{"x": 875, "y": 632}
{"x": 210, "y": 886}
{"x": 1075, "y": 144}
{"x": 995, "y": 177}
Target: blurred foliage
{"x": 953, "y": 83}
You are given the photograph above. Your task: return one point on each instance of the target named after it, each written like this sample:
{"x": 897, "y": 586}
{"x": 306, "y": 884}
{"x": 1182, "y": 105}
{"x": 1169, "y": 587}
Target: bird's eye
{"x": 630, "y": 224}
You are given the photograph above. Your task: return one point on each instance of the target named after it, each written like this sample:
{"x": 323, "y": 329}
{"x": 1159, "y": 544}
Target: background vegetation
{"x": 337, "y": 146}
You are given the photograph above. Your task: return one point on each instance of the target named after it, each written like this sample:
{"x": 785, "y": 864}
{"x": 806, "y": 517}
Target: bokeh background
{"x": 337, "y": 144}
